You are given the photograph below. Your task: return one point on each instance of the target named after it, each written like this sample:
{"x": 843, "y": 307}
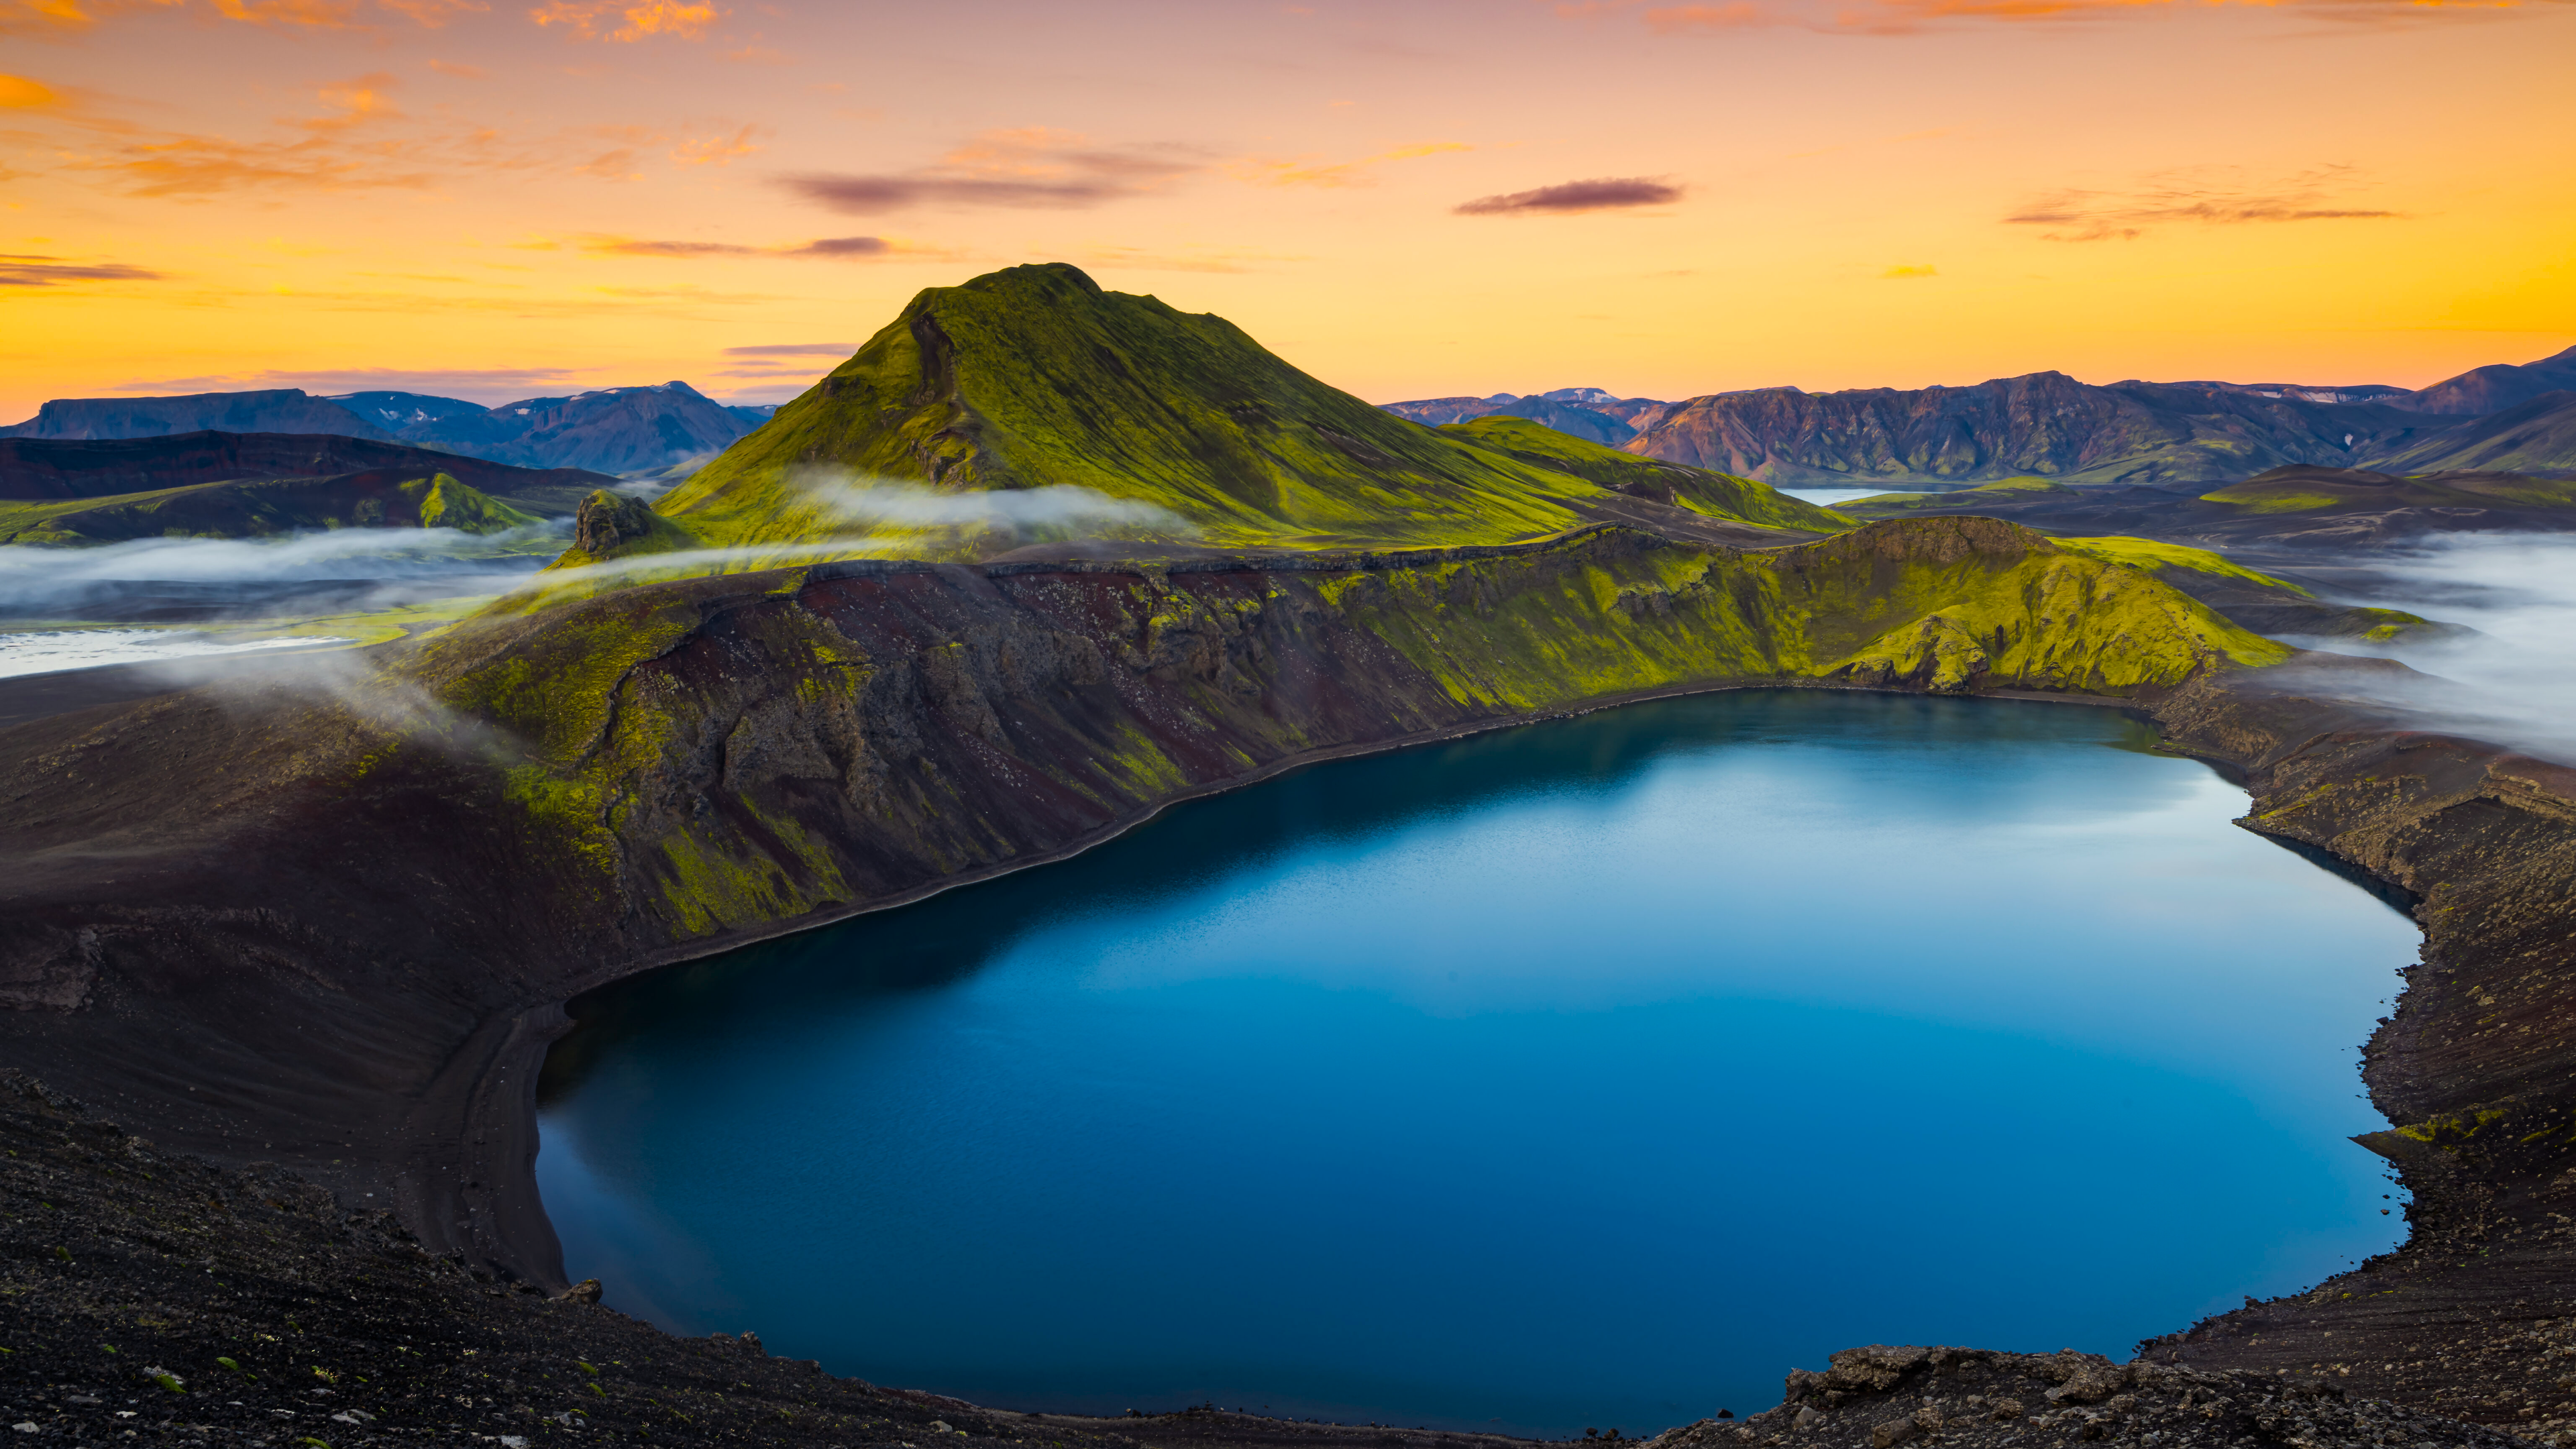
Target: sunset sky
{"x": 1410, "y": 198}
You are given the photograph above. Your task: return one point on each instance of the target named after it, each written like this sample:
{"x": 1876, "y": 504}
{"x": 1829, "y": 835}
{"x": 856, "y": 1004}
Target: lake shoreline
{"x": 381, "y": 1034}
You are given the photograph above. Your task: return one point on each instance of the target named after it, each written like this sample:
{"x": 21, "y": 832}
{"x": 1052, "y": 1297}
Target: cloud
{"x": 462, "y": 72}
{"x": 1916, "y": 17}
{"x": 18, "y": 93}
{"x": 1035, "y": 167}
{"x": 1262, "y": 171}
{"x": 1572, "y": 197}
{"x": 489, "y": 385}
{"x": 1894, "y": 273}
{"x": 55, "y": 272}
{"x": 357, "y": 142}
{"x": 629, "y": 20}
{"x": 308, "y": 14}
{"x": 794, "y": 349}
{"x": 2217, "y": 196}
{"x": 927, "y": 521}
{"x": 830, "y": 248}
{"x": 719, "y": 150}
{"x": 431, "y": 14}
{"x": 2513, "y": 681}
{"x": 1677, "y": 19}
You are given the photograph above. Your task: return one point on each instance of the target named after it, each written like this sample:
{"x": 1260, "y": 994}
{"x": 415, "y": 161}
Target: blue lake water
{"x": 1590, "y": 1074}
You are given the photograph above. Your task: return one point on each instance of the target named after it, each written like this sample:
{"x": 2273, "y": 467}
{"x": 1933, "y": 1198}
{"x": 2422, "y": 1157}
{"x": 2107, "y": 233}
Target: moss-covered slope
{"x": 1719, "y": 495}
{"x": 1035, "y": 378}
{"x": 257, "y": 508}
{"x": 813, "y": 717}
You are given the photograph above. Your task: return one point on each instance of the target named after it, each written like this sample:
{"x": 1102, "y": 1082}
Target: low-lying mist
{"x": 2513, "y": 681}
{"x": 925, "y": 521}
{"x": 200, "y": 579}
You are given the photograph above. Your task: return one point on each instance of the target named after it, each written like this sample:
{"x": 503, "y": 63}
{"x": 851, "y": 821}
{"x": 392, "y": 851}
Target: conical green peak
{"x": 1145, "y": 424}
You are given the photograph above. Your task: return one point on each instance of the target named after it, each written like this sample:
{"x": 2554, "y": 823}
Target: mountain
{"x": 1716, "y": 494}
{"x": 278, "y": 410}
{"x": 400, "y": 410}
{"x": 2289, "y": 515}
{"x": 2539, "y": 436}
{"x": 1034, "y": 382}
{"x": 2491, "y": 389}
{"x": 610, "y": 429}
{"x": 1586, "y": 412}
{"x": 616, "y": 430}
{"x": 2045, "y": 424}
{"x": 51, "y": 470}
{"x": 752, "y": 415}
{"x": 264, "y": 507}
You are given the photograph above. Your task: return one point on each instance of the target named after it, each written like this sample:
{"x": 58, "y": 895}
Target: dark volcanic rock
{"x": 155, "y": 1299}
{"x": 1881, "y": 1397}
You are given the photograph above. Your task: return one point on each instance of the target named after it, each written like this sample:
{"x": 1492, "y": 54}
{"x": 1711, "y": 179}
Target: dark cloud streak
{"x": 1599, "y": 194}
{"x": 830, "y": 248}
{"x": 55, "y": 272}
{"x": 875, "y": 195}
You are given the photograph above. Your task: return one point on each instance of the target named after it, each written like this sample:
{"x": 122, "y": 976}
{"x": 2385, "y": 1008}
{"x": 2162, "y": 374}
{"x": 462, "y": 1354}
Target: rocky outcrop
{"x": 1881, "y": 1396}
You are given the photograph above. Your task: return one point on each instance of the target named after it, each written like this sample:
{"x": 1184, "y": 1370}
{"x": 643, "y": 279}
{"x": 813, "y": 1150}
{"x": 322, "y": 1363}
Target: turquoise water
{"x": 1590, "y": 1074}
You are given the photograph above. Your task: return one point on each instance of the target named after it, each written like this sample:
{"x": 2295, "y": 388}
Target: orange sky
{"x": 490, "y": 200}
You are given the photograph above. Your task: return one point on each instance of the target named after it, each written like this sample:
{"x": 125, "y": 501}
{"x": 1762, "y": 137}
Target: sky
{"x": 1411, "y": 198}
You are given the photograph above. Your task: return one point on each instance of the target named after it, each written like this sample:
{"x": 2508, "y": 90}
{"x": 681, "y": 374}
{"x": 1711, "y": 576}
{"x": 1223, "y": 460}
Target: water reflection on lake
{"x": 1587, "y": 1074}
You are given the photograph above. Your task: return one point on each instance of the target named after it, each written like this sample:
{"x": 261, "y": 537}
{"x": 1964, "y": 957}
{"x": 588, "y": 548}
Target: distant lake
{"x": 1589, "y": 1074}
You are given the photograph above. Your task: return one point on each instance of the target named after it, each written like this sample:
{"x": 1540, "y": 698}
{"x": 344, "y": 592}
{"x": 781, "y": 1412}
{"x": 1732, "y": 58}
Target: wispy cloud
{"x": 1900, "y": 273}
{"x": 490, "y": 385}
{"x": 1036, "y": 167}
{"x": 63, "y": 17}
{"x": 56, "y": 272}
{"x": 719, "y": 150}
{"x": 794, "y": 349}
{"x": 630, "y": 20}
{"x": 1916, "y": 17}
{"x": 1270, "y": 171}
{"x": 2211, "y": 196}
{"x": 830, "y": 248}
{"x": 1606, "y": 193}
{"x": 18, "y": 93}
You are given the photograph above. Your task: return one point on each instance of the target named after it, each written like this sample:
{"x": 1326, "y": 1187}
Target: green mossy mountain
{"x": 2009, "y": 490}
{"x": 262, "y": 508}
{"x": 1718, "y": 495}
{"x": 2317, "y": 490}
{"x": 1033, "y": 377}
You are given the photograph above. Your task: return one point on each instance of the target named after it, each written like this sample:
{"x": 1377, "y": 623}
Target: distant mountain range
{"x": 2046, "y": 424}
{"x": 617, "y": 430}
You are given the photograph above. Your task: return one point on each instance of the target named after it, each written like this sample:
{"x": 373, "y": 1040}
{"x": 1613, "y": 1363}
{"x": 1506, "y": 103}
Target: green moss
{"x": 2155, "y": 557}
{"x": 1719, "y": 495}
{"x": 1034, "y": 377}
{"x": 442, "y": 501}
{"x": 1882, "y": 504}
{"x": 262, "y": 508}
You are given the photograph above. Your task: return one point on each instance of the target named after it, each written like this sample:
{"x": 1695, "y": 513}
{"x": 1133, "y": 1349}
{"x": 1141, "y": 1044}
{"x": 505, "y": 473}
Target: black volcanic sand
{"x": 156, "y": 1299}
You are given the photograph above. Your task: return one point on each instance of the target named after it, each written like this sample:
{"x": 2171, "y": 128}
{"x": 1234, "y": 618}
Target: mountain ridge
{"x": 965, "y": 396}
